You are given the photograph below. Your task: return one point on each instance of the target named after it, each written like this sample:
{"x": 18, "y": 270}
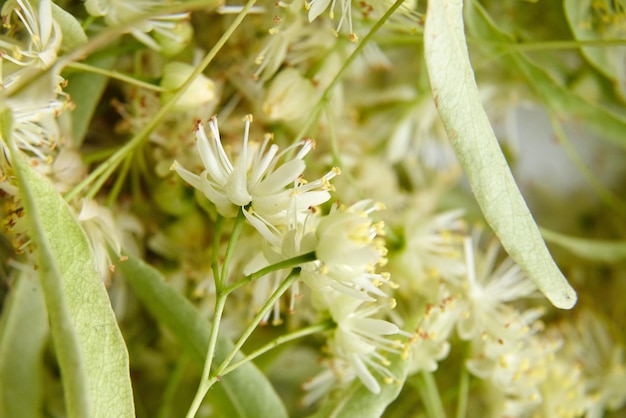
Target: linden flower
{"x": 317, "y": 7}
{"x": 488, "y": 290}
{"x": 167, "y": 29}
{"x": 360, "y": 340}
{"x": 270, "y": 192}
{"x": 357, "y": 348}
{"x": 38, "y": 50}
{"x": 348, "y": 248}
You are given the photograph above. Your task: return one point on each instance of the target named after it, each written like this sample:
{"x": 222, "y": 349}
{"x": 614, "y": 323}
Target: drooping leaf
{"x": 458, "y": 102}
{"x": 249, "y": 392}
{"x": 88, "y": 343}
{"x": 603, "y": 251}
{"x": 23, "y": 334}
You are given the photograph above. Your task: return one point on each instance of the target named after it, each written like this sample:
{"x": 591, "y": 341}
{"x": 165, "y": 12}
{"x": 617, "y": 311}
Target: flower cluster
{"x": 268, "y": 187}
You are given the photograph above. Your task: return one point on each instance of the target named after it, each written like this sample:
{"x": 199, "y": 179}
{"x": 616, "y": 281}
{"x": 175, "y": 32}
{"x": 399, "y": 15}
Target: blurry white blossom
{"x": 488, "y": 289}
{"x": 166, "y": 30}
{"x": 32, "y": 39}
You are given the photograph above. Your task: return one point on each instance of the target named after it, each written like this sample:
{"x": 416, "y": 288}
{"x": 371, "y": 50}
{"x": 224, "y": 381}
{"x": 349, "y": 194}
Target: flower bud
{"x": 200, "y": 92}
{"x": 291, "y": 96}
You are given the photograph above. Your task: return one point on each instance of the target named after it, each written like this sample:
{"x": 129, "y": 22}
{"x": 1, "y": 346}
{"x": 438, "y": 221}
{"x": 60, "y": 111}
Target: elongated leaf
{"x": 86, "y": 90}
{"x": 89, "y": 345}
{"x": 23, "y": 334}
{"x": 603, "y": 251}
{"x": 249, "y": 392}
{"x": 458, "y": 102}
{"x": 358, "y": 401}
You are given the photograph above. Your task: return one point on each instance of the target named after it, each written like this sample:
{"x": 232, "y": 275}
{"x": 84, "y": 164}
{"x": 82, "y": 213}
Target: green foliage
{"x": 91, "y": 352}
{"x": 249, "y": 392}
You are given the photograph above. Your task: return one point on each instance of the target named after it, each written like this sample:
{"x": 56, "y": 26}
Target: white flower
{"x": 102, "y": 231}
{"x": 317, "y": 7}
{"x": 348, "y": 248}
{"x": 36, "y": 51}
{"x": 589, "y": 344}
{"x": 516, "y": 359}
{"x": 166, "y": 27}
{"x": 360, "y": 341}
{"x": 488, "y": 290}
{"x": 432, "y": 246}
{"x": 270, "y": 192}
{"x": 431, "y": 343}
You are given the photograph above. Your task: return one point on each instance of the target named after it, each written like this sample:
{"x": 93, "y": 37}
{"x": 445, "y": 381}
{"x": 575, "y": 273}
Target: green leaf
{"x": 23, "y": 335}
{"x": 603, "y": 251}
{"x": 88, "y": 344}
{"x": 249, "y": 392}
{"x": 458, "y": 102}
{"x": 358, "y": 401}
{"x": 73, "y": 33}
{"x": 86, "y": 90}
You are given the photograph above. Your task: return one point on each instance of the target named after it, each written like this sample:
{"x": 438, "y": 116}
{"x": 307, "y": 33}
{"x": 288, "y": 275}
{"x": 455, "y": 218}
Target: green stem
{"x": 116, "y": 75}
{"x": 119, "y": 182}
{"x": 328, "y": 90}
{"x": 289, "y": 263}
{"x": 230, "y": 250}
{"x": 461, "y": 407}
{"x": 205, "y": 383}
{"x": 215, "y": 254}
{"x": 427, "y": 387}
{"x": 286, "y": 284}
{"x": 283, "y": 339}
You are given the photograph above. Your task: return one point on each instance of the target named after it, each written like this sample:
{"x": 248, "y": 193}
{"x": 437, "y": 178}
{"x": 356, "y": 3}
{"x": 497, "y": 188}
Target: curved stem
{"x": 205, "y": 383}
{"x": 325, "y": 97}
{"x": 290, "y": 262}
{"x": 283, "y": 339}
{"x": 286, "y": 284}
{"x": 461, "y": 407}
{"x": 427, "y": 387}
{"x": 230, "y": 250}
{"x": 215, "y": 253}
{"x": 116, "y": 75}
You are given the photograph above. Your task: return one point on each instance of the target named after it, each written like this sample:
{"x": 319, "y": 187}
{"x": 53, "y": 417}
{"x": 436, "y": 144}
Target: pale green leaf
{"x": 73, "y": 33}
{"x": 89, "y": 346}
{"x": 458, "y": 102}
{"x": 23, "y": 335}
{"x": 86, "y": 90}
{"x": 358, "y": 401}
{"x": 603, "y": 251}
{"x": 249, "y": 392}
